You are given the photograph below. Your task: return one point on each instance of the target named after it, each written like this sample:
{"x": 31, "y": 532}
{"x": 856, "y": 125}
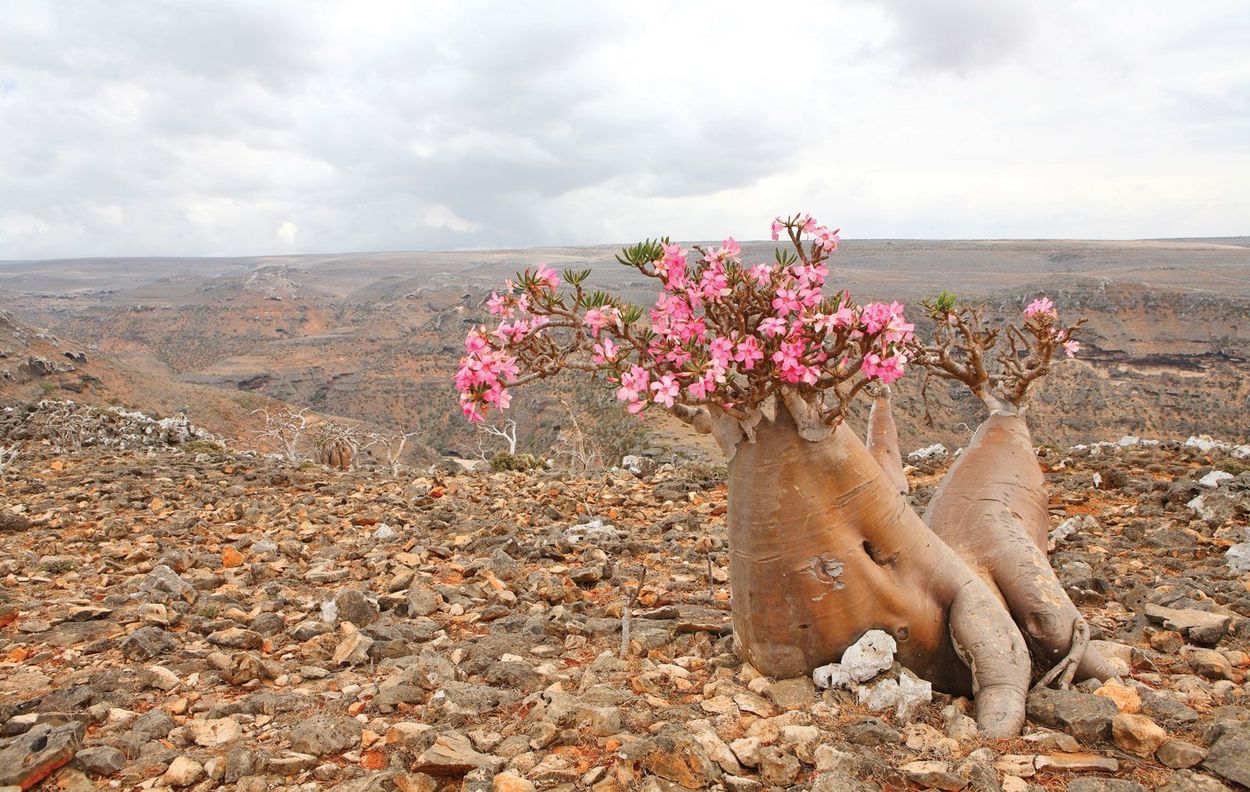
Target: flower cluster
{"x": 1043, "y": 314}
{"x": 721, "y": 332}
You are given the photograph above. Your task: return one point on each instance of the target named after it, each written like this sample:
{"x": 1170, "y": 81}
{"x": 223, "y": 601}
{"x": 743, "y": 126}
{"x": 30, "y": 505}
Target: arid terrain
{"x": 177, "y": 616}
{"x": 178, "y": 610}
{"x": 375, "y": 337}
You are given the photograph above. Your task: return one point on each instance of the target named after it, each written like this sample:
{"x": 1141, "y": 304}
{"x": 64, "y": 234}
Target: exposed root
{"x": 1065, "y": 670}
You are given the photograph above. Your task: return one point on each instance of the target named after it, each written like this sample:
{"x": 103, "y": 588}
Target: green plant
{"x": 515, "y": 462}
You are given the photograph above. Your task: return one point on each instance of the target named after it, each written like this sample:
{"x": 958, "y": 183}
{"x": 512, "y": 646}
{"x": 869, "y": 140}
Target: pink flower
{"x": 666, "y": 389}
{"x": 827, "y": 240}
{"x": 885, "y": 369}
{"x": 496, "y": 304}
{"x": 598, "y": 318}
{"x": 778, "y": 224}
{"x": 1071, "y": 347}
{"x": 547, "y": 277}
{"x": 605, "y": 352}
{"x": 773, "y": 326}
{"x": 471, "y": 411}
{"x": 747, "y": 352}
{"x": 1041, "y": 307}
{"x": 720, "y": 350}
{"x": 761, "y": 274}
{"x": 786, "y": 300}
{"x": 634, "y": 388}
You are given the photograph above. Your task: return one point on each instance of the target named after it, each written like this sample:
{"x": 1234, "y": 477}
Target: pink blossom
{"x": 547, "y": 277}
{"x": 1071, "y": 346}
{"x": 471, "y": 411}
{"x": 634, "y": 388}
{"x": 598, "y": 318}
{"x": 761, "y": 273}
{"x": 498, "y": 305}
{"x": 827, "y": 240}
{"x": 604, "y": 352}
{"x": 747, "y": 352}
{"x": 885, "y": 369}
{"x": 786, "y": 300}
{"x": 720, "y": 350}
{"x": 666, "y": 389}
{"x": 1042, "y": 306}
{"x": 778, "y": 224}
{"x": 773, "y": 326}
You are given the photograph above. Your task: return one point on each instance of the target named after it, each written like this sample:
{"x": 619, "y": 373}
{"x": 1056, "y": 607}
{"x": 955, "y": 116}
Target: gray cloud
{"x": 238, "y": 128}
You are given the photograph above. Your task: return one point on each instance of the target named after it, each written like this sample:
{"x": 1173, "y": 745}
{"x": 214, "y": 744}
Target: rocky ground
{"x": 184, "y": 617}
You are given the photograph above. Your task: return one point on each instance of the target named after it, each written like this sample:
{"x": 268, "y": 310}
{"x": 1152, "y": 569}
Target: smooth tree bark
{"x": 882, "y": 438}
{"x": 991, "y": 507}
{"x": 823, "y": 548}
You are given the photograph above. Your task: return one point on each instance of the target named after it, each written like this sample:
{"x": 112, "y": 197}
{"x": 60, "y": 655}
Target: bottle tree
{"x": 991, "y": 507}
{"x": 767, "y": 359}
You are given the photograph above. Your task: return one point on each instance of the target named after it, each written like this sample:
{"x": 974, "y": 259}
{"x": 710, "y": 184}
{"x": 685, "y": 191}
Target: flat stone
{"x": 1085, "y": 716}
{"x": 183, "y": 771}
{"x": 1201, "y": 627}
{"x": 791, "y": 694}
{"x": 101, "y": 760}
{"x": 453, "y": 755}
{"x": 1076, "y": 762}
{"x": 1229, "y": 755}
{"x": 323, "y": 735}
{"x": 33, "y": 756}
{"x": 1104, "y": 785}
{"x": 934, "y": 775}
{"x": 1179, "y": 754}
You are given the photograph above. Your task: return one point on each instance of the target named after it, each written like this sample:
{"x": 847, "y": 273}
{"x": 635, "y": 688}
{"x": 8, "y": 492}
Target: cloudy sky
{"x": 238, "y": 128}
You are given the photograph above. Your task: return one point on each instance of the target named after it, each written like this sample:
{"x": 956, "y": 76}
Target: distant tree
{"x": 284, "y": 428}
{"x": 390, "y": 446}
{"x": 338, "y": 445}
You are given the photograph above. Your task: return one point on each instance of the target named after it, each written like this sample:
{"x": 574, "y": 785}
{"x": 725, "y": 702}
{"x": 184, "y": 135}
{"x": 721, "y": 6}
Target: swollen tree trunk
{"x": 823, "y": 548}
{"x": 991, "y": 508}
{"x": 883, "y": 439}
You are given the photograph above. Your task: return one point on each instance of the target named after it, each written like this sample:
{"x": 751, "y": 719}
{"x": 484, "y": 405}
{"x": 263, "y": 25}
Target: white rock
{"x": 1202, "y": 442}
{"x": 881, "y": 696}
{"x": 1072, "y": 526}
{"x": 1214, "y": 478}
{"x": 1241, "y": 452}
{"x": 330, "y": 612}
{"x": 870, "y": 655}
{"x": 913, "y": 693}
{"x": 1238, "y": 558}
{"x": 935, "y": 451}
{"x": 1128, "y": 441}
{"x": 385, "y": 533}
{"x": 1198, "y": 507}
{"x": 831, "y": 676}
{"x": 863, "y": 660}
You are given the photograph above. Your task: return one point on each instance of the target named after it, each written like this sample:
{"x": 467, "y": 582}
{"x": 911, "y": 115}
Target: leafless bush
{"x": 506, "y": 432}
{"x": 581, "y": 455}
{"x": 390, "y": 446}
{"x": 285, "y": 428}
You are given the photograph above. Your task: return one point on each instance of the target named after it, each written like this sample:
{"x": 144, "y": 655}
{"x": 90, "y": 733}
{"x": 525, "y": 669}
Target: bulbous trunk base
{"x": 823, "y": 548}
{"x": 991, "y": 508}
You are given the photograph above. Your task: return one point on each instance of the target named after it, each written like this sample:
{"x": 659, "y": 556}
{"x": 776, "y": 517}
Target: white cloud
{"x": 286, "y": 232}
{"x": 174, "y": 129}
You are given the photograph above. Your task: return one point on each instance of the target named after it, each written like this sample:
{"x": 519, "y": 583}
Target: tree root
{"x": 1065, "y": 670}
